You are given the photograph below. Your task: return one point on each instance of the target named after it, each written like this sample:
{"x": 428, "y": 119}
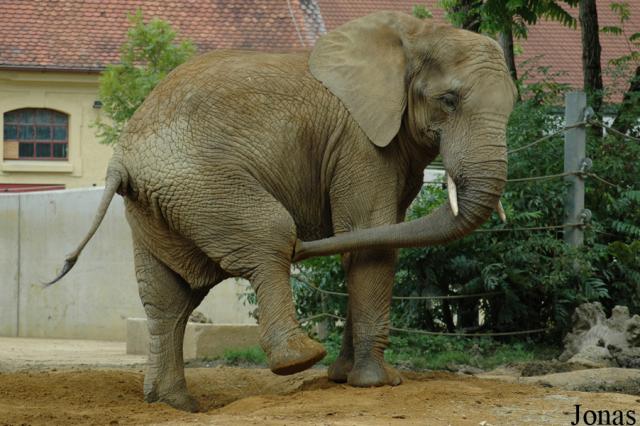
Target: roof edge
{"x": 47, "y": 68}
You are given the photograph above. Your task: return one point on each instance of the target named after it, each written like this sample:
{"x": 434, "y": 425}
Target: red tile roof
{"x": 86, "y": 34}
{"x": 561, "y": 48}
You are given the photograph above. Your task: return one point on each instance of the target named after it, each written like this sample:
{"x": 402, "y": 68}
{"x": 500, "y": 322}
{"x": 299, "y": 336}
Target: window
{"x": 36, "y": 134}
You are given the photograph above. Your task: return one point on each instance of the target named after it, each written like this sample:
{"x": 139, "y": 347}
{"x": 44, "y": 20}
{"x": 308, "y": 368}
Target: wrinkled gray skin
{"x": 236, "y": 158}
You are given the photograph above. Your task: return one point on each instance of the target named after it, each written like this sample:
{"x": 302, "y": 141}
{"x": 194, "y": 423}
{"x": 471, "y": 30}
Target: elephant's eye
{"x": 449, "y": 101}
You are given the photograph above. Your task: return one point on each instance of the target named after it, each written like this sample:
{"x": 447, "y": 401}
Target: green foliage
{"x": 420, "y": 352}
{"x": 325, "y": 273}
{"x": 147, "y": 56}
{"x": 508, "y": 16}
{"x": 621, "y": 67}
{"x": 632, "y": 40}
{"x": 420, "y": 11}
{"x": 253, "y": 355}
{"x": 439, "y": 352}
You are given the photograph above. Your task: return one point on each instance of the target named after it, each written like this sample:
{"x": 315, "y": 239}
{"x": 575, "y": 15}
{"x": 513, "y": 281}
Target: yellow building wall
{"x": 73, "y": 94}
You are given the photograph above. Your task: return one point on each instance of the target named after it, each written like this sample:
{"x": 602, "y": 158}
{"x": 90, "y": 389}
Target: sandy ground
{"x": 104, "y": 387}
{"x": 37, "y": 354}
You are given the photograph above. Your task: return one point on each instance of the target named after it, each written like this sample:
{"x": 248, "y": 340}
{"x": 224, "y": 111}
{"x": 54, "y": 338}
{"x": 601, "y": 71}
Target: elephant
{"x": 240, "y": 163}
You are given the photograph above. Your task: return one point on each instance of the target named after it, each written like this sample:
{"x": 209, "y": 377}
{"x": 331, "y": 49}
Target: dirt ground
{"x": 79, "y": 391}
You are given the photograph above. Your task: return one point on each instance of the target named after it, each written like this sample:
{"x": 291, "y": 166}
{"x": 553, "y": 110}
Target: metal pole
{"x": 574, "y": 161}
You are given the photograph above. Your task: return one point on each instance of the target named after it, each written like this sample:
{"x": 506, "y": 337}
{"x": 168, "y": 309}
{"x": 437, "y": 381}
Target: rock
{"x": 594, "y": 357}
{"x": 627, "y": 359}
{"x": 598, "y": 341}
{"x": 632, "y": 333}
{"x": 620, "y": 380}
{"x": 540, "y": 368}
{"x": 466, "y": 369}
{"x": 200, "y": 318}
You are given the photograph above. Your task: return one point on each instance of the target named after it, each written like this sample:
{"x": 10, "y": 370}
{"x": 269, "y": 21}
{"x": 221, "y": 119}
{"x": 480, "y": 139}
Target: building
{"x": 52, "y": 51}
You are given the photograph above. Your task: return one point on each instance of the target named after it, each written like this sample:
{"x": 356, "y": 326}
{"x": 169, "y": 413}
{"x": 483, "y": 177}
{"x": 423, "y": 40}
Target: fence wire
{"x": 580, "y": 173}
{"x": 589, "y": 122}
{"x": 532, "y": 228}
{"x": 545, "y": 177}
{"x": 305, "y": 282}
{"x": 547, "y": 137}
{"x": 598, "y": 123}
{"x": 435, "y": 333}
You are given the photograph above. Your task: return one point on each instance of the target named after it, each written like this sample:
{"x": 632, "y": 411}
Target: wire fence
{"x": 547, "y": 137}
{"x": 581, "y": 173}
{"x": 306, "y": 282}
{"x": 582, "y": 224}
{"x": 434, "y": 333}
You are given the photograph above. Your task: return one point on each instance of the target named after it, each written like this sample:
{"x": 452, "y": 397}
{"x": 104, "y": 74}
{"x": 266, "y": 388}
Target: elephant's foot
{"x": 340, "y": 369}
{"x": 176, "y": 396}
{"x": 373, "y": 373}
{"x": 294, "y": 354}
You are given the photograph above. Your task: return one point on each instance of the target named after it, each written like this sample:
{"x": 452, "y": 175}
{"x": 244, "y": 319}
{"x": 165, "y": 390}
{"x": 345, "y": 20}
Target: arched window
{"x": 36, "y": 134}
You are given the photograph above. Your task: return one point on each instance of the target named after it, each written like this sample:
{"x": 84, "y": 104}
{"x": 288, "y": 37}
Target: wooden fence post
{"x": 574, "y": 161}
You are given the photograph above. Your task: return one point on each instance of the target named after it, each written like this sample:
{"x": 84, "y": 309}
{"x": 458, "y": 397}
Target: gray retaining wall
{"x": 94, "y": 300}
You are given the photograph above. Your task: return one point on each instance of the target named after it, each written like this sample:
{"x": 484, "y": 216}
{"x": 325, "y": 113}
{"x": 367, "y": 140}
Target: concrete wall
{"x": 73, "y": 94}
{"x": 9, "y": 249}
{"x": 93, "y": 301}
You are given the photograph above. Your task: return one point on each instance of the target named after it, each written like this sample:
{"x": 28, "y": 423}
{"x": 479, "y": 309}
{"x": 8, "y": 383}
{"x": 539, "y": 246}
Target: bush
{"x": 147, "y": 56}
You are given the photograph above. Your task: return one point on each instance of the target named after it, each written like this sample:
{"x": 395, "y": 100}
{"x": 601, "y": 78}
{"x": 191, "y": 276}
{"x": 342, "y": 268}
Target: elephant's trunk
{"x": 479, "y": 174}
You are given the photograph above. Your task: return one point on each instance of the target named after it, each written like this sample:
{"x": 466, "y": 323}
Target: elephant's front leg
{"x": 288, "y": 348}
{"x": 370, "y": 281}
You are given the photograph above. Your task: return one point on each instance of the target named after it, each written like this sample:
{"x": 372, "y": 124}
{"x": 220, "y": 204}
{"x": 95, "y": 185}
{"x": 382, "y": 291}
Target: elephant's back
{"x": 228, "y": 114}
{"x": 221, "y": 93}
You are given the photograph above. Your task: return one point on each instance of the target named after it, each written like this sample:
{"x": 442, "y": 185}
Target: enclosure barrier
{"x": 577, "y": 166}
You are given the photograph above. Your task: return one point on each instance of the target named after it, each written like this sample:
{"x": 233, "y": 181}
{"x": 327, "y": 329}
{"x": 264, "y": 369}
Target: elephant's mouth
{"x": 452, "y": 191}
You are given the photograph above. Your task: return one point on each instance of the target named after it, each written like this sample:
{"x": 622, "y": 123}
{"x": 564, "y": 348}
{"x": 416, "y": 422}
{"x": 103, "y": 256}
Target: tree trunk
{"x": 447, "y": 317}
{"x": 506, "y": 42}
{"x": 467, "y": 314}
{"x": 629, "y": 111}
{"x": 471, "y": 19}
{"x": 592, "y": 71}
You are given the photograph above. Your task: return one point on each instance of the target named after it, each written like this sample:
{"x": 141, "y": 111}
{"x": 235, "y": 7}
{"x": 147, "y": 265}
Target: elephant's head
{"x": 392, "y": 70}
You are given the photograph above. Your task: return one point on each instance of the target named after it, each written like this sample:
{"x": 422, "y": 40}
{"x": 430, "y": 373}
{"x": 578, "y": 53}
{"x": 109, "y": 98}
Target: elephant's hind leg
{"x": 168, "y": 301}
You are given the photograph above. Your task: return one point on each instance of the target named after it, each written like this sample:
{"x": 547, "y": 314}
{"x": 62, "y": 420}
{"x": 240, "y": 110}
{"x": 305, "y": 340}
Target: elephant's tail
{"x": 116, "y": 181}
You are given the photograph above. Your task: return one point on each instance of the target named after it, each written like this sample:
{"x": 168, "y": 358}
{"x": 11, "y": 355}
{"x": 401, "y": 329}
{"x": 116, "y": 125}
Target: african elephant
{"x": 238, "y": 157}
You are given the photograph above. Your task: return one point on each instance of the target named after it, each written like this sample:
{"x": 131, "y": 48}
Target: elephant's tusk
{"x": 501, "y": 213}
{"x": 453, "y": 195}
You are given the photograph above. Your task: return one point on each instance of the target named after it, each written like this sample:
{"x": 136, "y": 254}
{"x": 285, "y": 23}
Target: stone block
{"x": 200, "y": 340}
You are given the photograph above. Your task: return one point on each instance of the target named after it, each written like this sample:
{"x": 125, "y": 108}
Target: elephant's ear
{"x": 363, "y": 63}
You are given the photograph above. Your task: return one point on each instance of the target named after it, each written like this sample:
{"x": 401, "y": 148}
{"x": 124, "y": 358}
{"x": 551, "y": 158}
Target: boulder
{"x": 598, "y": 341}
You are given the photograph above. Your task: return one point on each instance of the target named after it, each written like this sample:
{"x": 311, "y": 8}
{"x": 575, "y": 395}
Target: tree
{"x": 591, "y": 66}
{"x": 629, "y": 110}
{"x": 464, "y": 13}
{"x": 147, "y": 56}
{"x": 507, "y": 19}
